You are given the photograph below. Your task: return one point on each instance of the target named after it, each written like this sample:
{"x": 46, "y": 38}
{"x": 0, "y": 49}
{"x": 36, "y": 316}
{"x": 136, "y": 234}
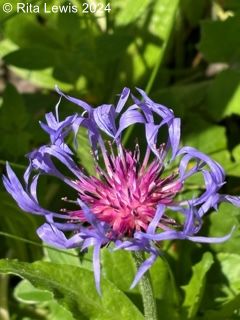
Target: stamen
{"x": 136, "y": 154}
{"x": 126, "y": 194}
{"x": 65, "y": 199}
{"x": 146, "y": 158}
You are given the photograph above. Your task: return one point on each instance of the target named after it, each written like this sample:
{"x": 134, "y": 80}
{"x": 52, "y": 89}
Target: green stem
{"x": 15, "y": 165}
{"x": 149, "y": 304}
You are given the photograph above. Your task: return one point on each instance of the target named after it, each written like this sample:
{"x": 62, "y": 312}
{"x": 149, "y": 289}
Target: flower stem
{"x": 149, "y": 304}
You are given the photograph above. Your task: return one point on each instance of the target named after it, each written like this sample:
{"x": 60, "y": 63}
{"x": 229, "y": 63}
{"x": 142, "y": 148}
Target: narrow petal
{"x": 211, "y": 239}
{"x": 158, "y": 215}
{"x": 174, "y": 136}
{"x": 235, "y": 200}
{"x": 96, "y": 266}
{"x": 78, "y": 102}
{"x": 166, "y": 235}
{"x": 144, "y": 268}
{"x": 122, "y": 100}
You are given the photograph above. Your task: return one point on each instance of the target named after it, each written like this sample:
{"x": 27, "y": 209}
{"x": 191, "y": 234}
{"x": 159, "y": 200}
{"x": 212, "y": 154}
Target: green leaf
{"x": 223, "y": 286}
{"x": 13, "y": 112}
{"x": 165, "y": 290}
{"x": 7, "y": 46}
{"x": 74, "y": 288}
{"x": 31, "y": 58}
{"x": 236, "y": 153}
{"x": 206, "y": 137}
{"x": 19, "y": 224}
{"x": 230, "y": 268}
{"x": 183, "y": 98}
{"x": 233, "y": 5}
{"x": 130, "y": 12}
{"x": 226, "y": 311}
{"x": 194, "y": 290}
{"x": 14, "y": 118}
{"x": 61, "y": 256}
{"x": 5, "y": 16}
{"x": 223, "y": 95}
{"x": 232, "y": 168}
{"x": 231, "y": 217}
{"x": 58, "y": 312}
{"x": 194, "y": 10}
{"x": 109, "y": 47}
{"x": 84, "y": 152}
{"x": 42, "y": 78}
{"x": 26, "y": 32}
{"x": 211, "y": 44}
{"x": 25, "y": 292}
{"x": 119, "y": 268}
{"x": 152, "y": 39}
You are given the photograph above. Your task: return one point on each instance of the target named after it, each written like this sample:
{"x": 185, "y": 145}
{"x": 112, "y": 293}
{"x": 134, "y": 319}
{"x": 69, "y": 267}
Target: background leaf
{"x": 194, "y": 290}
{"x": 74, "y": 288}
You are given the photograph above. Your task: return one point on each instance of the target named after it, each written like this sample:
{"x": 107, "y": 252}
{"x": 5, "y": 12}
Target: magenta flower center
{"x": 127, "y": 194}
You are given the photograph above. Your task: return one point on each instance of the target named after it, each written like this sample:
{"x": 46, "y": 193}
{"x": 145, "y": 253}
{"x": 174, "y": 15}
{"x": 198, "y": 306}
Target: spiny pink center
{"x": 127, "y": 194}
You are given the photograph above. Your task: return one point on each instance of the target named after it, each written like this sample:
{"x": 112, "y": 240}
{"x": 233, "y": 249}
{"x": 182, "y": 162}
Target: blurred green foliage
{"x": 186, "y": 55}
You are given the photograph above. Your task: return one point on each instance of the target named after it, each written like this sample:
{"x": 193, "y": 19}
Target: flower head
{"x": 135, "y": 199}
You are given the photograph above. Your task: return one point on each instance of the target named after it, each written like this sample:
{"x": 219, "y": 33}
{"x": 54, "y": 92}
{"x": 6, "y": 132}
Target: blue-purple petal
{"x": 122, "y": 100}
{"x": 104, "y": 117}
{"x": 78, "y": 102}
{"x": 53, "y": 236}
{"x": 145, "y": 266}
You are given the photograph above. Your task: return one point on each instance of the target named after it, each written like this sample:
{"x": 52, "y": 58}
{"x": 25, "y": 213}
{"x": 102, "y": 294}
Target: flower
{"x": 134, "y": 200}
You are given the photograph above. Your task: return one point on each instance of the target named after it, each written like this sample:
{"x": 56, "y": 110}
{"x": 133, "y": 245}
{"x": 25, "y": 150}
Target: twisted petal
{"x": 41, "y": 160}
{"x": 58, "y": 130}
{"x": 192, "y": 153}
{"x": 26, "y": 200}
{"x": 149, "y": 107}
{"x": 50, "y": 234}
{"x": 235, "y": 200}
{"x": 78, "y": 102}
